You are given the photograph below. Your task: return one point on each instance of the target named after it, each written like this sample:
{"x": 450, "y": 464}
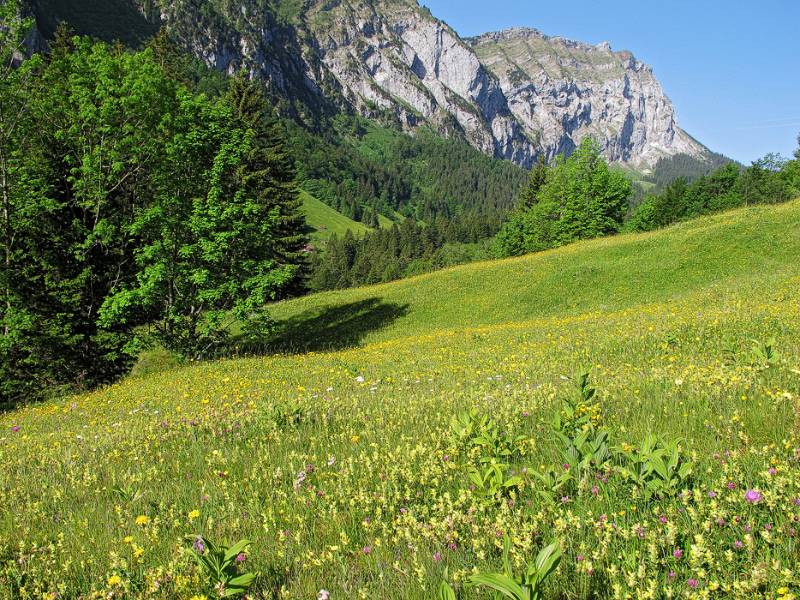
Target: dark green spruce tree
{"x": 269, "y": 177}
{"x": 529, "y": 194}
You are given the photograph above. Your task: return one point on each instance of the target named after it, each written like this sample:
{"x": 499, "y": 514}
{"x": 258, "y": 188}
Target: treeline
{"x": 770, "y": 180}
{"x": 362, "y": 170}
{"x": 134, "y": 208}
{"x": 579, "y": 197}
{"x": 668, "y": 169}
{"x": 402, "y": 250}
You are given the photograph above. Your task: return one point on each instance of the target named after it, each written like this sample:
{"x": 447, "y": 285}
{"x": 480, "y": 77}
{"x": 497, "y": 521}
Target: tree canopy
{"x": 135, "y": 208}
{"x": 579, "y": 197}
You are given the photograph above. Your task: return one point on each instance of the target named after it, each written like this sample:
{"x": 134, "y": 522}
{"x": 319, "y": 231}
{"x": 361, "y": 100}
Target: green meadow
{"x": 390, "y": 438}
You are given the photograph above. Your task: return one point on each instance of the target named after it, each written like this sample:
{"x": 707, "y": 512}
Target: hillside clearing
{"x": 324, "y": 221}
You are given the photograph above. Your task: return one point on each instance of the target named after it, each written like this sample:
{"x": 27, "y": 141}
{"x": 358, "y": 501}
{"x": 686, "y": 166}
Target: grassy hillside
{"x": 343, "y": 470}
{"x": 705, "y": 255}
{"x": 325, "y": 221}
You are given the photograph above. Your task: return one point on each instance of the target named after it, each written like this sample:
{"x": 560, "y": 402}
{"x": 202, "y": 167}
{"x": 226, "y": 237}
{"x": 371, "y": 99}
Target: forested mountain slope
{"x": 516, "y": 94}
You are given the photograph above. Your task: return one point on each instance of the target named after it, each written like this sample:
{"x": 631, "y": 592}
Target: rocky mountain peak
{"x": 514, "y": 94}
{"x": 562, "y": 90}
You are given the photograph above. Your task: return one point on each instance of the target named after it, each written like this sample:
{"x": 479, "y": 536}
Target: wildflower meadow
{"x": 614, "y": 419}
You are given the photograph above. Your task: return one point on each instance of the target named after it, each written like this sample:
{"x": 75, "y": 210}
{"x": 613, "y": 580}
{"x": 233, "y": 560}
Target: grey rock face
{"x": 409, "y": 63}
{"x": 515, "y": 94}
{"x": 563, "y": 91}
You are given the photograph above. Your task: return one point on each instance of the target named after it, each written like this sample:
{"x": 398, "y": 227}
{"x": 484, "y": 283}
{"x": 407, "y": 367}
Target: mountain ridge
{"x": 392, "y": 59}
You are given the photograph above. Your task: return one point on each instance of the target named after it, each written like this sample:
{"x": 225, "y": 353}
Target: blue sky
{"x": 732, "y": 67}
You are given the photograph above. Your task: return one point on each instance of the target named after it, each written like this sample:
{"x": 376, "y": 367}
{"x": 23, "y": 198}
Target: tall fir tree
{"x": 269, "y": 177}
{"x": 529, "y": 194}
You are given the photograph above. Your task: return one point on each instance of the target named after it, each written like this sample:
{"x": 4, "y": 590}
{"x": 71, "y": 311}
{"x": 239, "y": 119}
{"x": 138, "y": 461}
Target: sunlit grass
{"x": 339, "y": 466}
{"x": 324, "y": 221}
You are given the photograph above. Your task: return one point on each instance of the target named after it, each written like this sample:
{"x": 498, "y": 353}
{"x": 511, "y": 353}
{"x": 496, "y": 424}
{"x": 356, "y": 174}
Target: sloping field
{"x": 339, "y": 462}
{"x": 325, "y": 221}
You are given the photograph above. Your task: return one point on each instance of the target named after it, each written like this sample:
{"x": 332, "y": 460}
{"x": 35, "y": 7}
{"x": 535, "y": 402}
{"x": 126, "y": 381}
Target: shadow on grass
{"x": 328, "y": 328}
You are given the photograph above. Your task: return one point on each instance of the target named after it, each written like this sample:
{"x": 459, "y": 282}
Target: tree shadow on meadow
{"x": 328, "y": 328}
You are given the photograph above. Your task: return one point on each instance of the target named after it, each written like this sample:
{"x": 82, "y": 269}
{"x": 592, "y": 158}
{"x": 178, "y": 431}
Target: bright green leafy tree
{"x": 129, "y": 199}
{"x": 90, "y": 134}
{"x": 581, "y": 198}
{"x": 219, "y": 239}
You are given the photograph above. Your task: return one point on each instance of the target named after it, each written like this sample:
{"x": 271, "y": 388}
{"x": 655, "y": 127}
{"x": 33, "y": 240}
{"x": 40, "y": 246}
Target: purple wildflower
{"x": 753, "y": 496}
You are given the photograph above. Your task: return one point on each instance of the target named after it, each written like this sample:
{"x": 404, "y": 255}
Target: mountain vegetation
{"x": 767, "y": 181}
{"x": 402, "y": 250}
{"x": 580, "y": 197}
{"x": 133, "y": 204}
{"x": 668, "y": 169}
{"x": 394, "y": 437}
{"x": 364, "y": 170}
